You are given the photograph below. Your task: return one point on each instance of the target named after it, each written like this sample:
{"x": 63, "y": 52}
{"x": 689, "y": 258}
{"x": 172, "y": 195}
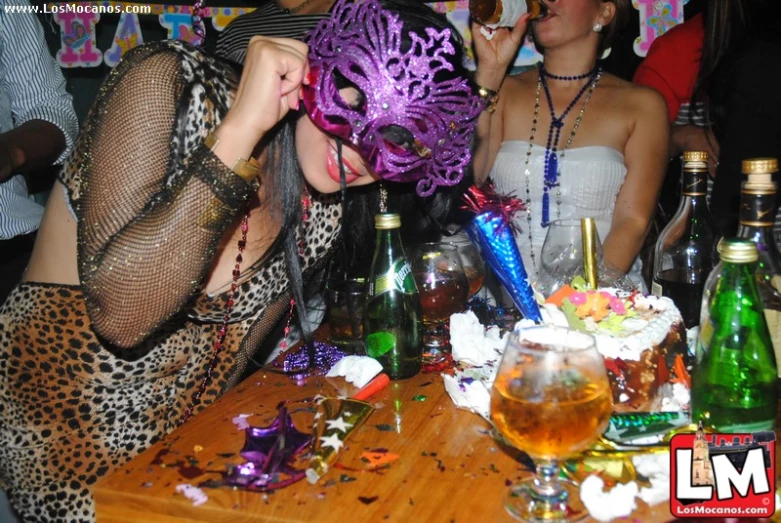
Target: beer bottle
{"x": 757, "y": 217}
{"x": 505, "y": 13}
{"x": 393, "y": 321}
{"x": 734, "y": 378}
{"x": 684, "y": 255}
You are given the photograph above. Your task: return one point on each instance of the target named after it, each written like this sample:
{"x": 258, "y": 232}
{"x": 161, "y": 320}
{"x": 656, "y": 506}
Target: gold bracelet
{"x": 489, "y": 96}
{"x": 246, "y": 169}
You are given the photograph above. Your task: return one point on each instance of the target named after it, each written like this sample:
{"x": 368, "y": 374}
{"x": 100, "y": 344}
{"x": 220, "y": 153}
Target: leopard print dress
{"x": 73, "y": 406}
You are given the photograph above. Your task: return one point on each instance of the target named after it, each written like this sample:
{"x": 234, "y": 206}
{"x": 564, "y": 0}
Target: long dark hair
{"x": 726, "y": 26}
{"x": 730, "y": 25}
{"x": 423, "y": 217}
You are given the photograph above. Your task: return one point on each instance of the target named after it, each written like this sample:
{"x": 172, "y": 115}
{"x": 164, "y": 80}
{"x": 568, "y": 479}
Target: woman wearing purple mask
{"x": 198, "y": 200}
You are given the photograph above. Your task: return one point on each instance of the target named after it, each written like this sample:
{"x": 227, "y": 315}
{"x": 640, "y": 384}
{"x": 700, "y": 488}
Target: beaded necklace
{"x": 552, "y": 157}
{"x": 306, "y": 203}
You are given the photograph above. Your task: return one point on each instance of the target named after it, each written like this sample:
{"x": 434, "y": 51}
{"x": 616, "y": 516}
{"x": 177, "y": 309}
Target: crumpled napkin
{"x": 605, "y": 505}
{"x": 620, "y": 501}
{"x": 472, "y": 343}
{"x": 358, "y": 370}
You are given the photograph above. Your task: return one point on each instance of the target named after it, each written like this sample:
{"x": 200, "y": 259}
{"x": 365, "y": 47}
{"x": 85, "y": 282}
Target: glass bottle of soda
{"x": 734, "y": 378}
{"x": 757, "y": 218}
{"x": 684, "y": 253}
{"x": 393, "y": 321}
{"x": 505, "y": 12}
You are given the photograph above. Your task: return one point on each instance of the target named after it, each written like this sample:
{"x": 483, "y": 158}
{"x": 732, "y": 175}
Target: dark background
{"x": 84, "y": 82}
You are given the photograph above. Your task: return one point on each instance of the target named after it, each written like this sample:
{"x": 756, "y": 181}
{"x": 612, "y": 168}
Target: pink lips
{"x": 333, "y": 169}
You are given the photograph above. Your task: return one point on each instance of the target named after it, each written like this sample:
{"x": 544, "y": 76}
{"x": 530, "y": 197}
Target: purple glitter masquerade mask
{"x": 407, "y": 125}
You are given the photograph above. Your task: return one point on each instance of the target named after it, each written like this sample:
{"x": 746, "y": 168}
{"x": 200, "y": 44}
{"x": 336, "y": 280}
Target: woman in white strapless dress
{"x": 590, "y": 179}
{"x": 608, "y": 136}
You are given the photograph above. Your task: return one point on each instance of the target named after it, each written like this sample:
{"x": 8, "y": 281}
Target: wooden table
{"x": 449, "y": 468}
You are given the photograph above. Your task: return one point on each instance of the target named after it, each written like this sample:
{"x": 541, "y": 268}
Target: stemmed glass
{"x": 443, "y": 287}
{"x": 561, "y": 260}
{"x": 551, "y": 399}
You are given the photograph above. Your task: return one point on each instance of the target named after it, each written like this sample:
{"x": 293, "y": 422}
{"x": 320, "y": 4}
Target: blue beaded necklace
{"x": 554, "y": 132}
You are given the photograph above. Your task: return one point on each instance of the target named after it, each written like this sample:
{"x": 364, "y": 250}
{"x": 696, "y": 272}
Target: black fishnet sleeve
{"x": 149, "y": 225}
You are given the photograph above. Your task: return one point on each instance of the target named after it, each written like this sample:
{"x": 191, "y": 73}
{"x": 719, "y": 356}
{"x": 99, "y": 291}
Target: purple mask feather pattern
{"x": 362, "y": 43}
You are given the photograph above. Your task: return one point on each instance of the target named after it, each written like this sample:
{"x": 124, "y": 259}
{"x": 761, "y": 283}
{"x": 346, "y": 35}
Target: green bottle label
{"x": 398, "y": 278}
{"x": 380, "y": 343}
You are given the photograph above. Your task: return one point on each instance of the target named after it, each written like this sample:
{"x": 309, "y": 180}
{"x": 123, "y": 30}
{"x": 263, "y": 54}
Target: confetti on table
{"x": 196, "y": 495}
{"x": 344, "y": 478}
{"x": 376, "y": 459}
{"x": 420, "y": 397}
{"x": 241, "y": 421}
{"x": 368, "y": 500}
{"x": 384, "y": 427}
{"x": 197, "y": 448}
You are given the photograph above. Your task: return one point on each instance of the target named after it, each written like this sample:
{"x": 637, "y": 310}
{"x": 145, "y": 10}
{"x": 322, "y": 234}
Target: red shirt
{"x": 673, "y": 62}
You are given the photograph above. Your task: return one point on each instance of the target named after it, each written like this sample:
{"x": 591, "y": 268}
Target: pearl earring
{"x": 597, "y": 27}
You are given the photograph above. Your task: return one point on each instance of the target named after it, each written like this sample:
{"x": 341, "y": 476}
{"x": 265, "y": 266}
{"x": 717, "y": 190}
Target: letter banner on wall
{"x": 78, "y": 45}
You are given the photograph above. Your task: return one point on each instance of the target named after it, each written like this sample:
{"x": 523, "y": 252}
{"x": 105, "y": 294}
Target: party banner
{"x": 78, "y": 46}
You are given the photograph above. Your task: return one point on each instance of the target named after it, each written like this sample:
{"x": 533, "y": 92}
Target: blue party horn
{"x": 491, "y": 229}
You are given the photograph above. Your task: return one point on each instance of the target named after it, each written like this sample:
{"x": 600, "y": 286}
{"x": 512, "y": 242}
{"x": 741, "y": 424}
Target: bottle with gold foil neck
{"x": 393, "y": 318}
{"x": 684, "y": 254}
{"x": 504, "y": 13}
{"x": 757, "y": 218}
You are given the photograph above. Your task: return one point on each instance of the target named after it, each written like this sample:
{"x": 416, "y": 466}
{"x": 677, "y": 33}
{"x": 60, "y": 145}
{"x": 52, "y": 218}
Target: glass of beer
{"x": 551, "y": 399}
{"x": 443, "y": 287}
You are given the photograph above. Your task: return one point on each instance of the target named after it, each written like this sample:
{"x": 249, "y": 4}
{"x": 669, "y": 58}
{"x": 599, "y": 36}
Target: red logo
{"x": 722, "y": 475}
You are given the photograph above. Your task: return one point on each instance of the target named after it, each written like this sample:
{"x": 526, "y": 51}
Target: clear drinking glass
{"x": 443, "y": 287}
{"x": 473, "y": 263}
{"x": 551, "y": 399}
{"x": 561, "y": 260}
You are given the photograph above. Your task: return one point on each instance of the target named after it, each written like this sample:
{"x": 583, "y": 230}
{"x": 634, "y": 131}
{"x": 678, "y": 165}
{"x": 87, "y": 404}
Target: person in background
{"x": 38, "y": 127}
{"x": 568, "y": 139}
{"x": 671, "y": 67}
{"x": 275, "y": 18}
{"x": 739, "y": 85}
{"x": 198, "y": 200}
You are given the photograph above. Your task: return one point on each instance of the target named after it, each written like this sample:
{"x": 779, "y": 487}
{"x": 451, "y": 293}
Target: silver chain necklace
{"x": 527, "y": 172}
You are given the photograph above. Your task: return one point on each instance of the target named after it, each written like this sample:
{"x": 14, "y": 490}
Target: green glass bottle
{"x": 393, "y": 320}
{"x": 734, "y": 379}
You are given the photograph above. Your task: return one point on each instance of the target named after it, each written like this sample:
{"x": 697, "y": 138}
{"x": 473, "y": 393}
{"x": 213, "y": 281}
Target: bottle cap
{"x": 760, "y": 166}
{"x": 738, "y": 251}
{"x": 694, "y": 156}
{"x": 387, "y": 220}
{"x": 695, "y": 161}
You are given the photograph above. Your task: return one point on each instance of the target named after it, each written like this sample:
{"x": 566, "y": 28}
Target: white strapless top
{"x": 590, "y": 178}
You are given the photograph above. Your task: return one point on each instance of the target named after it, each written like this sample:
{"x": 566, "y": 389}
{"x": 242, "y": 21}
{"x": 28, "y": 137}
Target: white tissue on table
{"x": 358, "y": 370}
{"x": 469, "y": 394}
{"x": 472, "y": 343}
{"x": 606, "y": 505}
{"x": 655, "y": 467}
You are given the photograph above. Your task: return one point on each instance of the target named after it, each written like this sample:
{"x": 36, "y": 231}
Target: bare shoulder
{"x": 634, "y": 97}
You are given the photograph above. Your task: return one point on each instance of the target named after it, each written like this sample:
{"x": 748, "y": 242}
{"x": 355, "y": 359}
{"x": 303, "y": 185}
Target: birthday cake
{"x": 642, "y": 338}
